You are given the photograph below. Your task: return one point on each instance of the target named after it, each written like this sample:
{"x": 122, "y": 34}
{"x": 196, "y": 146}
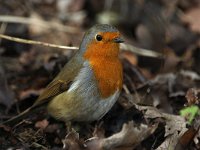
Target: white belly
{"x": 82, "y": 100}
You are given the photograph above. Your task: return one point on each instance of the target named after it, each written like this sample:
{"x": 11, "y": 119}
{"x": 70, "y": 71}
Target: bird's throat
{"x": 108, "y": 74}
{"x": 107, "y": 68}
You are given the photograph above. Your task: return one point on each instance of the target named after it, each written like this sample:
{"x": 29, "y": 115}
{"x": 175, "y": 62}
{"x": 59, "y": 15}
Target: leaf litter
{"x": 146, "y": 115}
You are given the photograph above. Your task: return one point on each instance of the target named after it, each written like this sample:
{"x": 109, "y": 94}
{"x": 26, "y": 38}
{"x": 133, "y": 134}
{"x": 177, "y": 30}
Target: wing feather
{"x": 62, "y": 81}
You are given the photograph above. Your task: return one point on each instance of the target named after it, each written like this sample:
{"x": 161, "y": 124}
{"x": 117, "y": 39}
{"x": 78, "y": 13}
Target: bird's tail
{"x": 18, "y": 117}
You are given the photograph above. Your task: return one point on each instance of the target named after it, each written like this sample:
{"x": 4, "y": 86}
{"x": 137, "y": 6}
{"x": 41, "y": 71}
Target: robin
{"x": 90, "y": 83}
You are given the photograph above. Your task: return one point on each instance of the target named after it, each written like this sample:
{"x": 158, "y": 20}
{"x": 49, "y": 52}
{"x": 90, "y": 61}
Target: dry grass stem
{"x": 20, "y": 40}
{"x": 126, "y": 47}
{"x": 38, "y": 22}
{"x": 140, "y": 51}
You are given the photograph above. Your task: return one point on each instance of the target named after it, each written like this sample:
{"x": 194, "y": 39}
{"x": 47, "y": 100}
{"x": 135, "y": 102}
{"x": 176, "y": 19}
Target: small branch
{"x": 38, "y": 22}
{"x": 57, "y": 26}
{"x": 126, "y": 47}
{"x": 140, "y": 51}
{"x": 20, "y": 40}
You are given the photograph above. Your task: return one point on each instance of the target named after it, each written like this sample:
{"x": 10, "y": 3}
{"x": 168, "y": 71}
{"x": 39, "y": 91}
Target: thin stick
{"x": 140, "y": 51}
{"x": 38, "y": 22}
{"x": 20, "y": 40}
{"x": 127, "y": 47}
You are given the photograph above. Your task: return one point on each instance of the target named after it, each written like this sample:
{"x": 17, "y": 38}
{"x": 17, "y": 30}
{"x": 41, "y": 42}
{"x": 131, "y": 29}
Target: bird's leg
{"x": 71, "y": 138}
{"x": 71, "y": 130}
{"x": 69, "y": 126}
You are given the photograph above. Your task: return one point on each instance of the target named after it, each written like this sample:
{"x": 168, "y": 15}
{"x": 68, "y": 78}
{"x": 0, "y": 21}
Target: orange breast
{"x": 108, "y": 75}
{"x": 103, "y": 58}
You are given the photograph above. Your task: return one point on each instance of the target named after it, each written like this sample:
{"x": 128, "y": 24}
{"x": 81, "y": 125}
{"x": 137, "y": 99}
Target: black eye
{"x": 99, "y": 37}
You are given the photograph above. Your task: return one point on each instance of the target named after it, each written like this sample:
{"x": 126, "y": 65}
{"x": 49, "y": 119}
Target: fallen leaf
{"x": 129, "y": 136}
{"x": 191, "y": 18}
{"x": 186, "y": 139}
{"x": 130, "y": 57}
{"x": 72, "y": 141}
{"x": 193, "y": 96}
{"x": 190, "y": 112}
{"x": 175, "y": 125}
{"x": 42, "y": 124}
{"x": 27, "y": 93}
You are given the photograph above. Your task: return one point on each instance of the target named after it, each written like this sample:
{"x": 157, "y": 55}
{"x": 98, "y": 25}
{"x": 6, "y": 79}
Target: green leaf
{"x": 189, "y": 113}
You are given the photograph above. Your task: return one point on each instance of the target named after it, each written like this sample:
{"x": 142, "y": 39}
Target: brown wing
{"x": 62, "y": 81}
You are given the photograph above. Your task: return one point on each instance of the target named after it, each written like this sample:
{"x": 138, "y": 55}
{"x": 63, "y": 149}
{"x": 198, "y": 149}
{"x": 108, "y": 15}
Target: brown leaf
{"x": 193, "y": 96}
{"x": 51, "y": 128}
{"x": 72, "y": 142}
{"x": 5, "y": 128}
{"x": 191, "y": 18}
{"x": 175, "y": 126}
{"x": 27, "y": 93}
{"x": 130, "y": 57}
{"x": 42, "y": 124}
{"x": 186, "y": 139}
{"x": 129, "y": 136}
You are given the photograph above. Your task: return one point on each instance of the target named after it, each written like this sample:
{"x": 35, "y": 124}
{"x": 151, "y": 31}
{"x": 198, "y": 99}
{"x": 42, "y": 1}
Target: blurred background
{"x": 169, "y": 27}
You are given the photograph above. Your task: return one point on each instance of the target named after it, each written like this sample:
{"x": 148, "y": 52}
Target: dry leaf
{"x": 129, "y": 136}
{"x": 175, "y": 125}
{"x": 191, "y": 18}
{"x": 186, "y": 139}
{"x": 193, "y": 96}
{"x": 42, "y": 124}
{"x": 170, "y": 142}
{"x": 130, "y": 57}
{"x": 71, "y": 141}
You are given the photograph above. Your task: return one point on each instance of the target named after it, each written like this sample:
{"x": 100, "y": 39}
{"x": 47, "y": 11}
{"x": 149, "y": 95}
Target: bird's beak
{"x": 118, "y": 40}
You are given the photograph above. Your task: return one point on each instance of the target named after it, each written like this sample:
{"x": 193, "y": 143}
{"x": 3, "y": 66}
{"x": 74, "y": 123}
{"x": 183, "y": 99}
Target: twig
{"x": 38, "y": 22}
{"x": 37, "y": 145}
{"x": 126, "y": 89}
{"x": 126, "y": 47}
{"x": 20, "y": 40}
{"x": 43, "y": 23}
{"x": 140, "y": 51}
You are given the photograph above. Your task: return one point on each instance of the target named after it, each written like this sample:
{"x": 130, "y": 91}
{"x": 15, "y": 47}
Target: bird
{"x": 90, "y": 83}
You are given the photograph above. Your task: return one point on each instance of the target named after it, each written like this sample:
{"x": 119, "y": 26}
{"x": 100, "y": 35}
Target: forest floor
{"x": 159, "y": 105}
